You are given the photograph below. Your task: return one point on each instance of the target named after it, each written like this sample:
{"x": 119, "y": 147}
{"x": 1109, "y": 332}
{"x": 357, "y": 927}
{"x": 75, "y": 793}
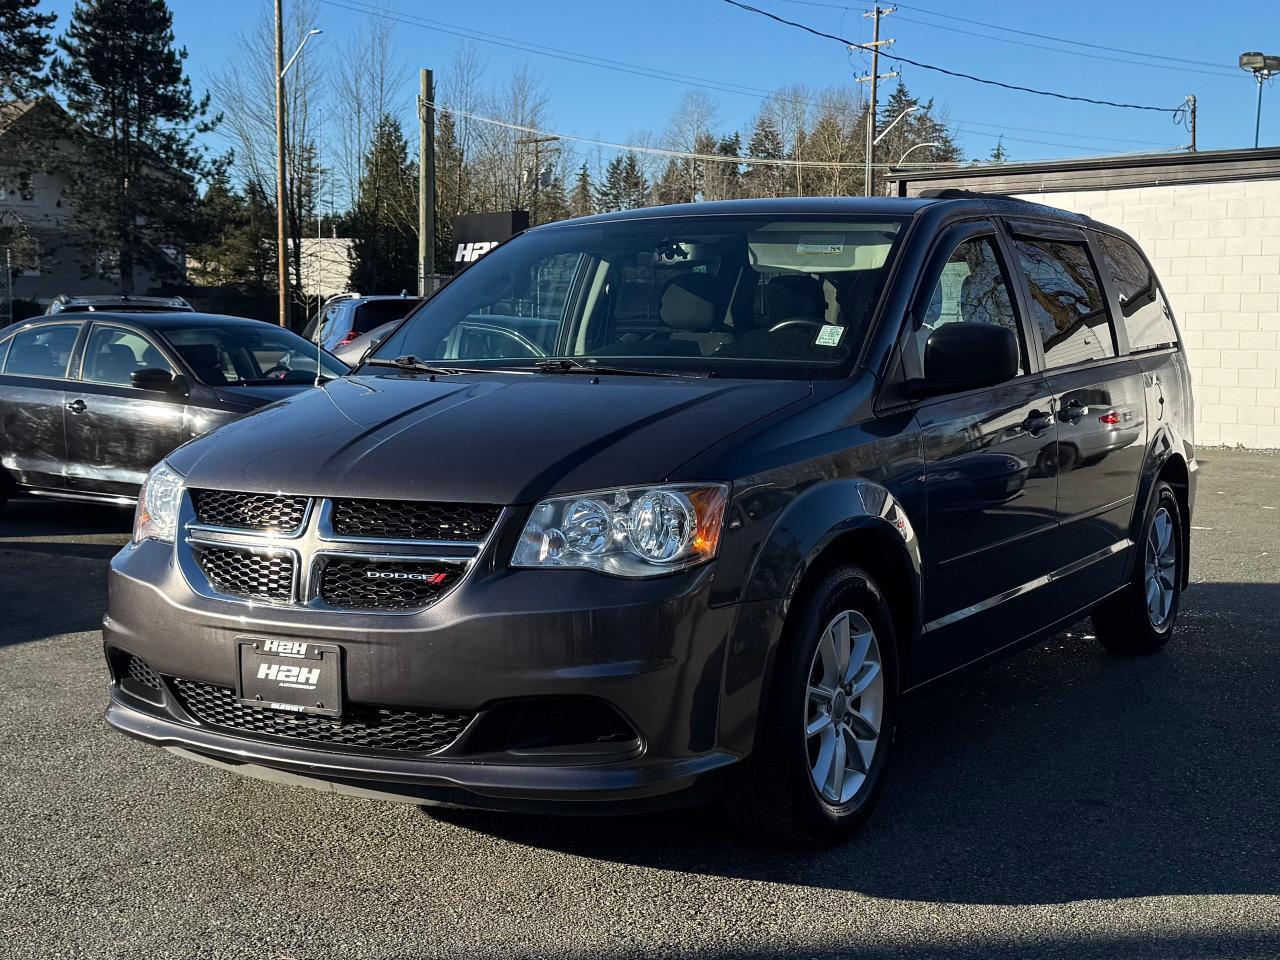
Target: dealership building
{"x": 1210, "y": 222}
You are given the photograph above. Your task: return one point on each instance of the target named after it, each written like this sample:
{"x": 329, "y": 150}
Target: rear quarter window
{"x": 1067, "y": 304}
{"x": 1144, "y": 311}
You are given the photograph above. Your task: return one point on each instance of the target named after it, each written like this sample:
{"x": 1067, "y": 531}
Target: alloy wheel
{"x": 1162, "y": 568}
{"x": 844, "y": 707}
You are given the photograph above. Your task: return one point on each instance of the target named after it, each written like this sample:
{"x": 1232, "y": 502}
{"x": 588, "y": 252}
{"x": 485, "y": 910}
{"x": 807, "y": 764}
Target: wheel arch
{"x": 1165, "y": 462}
{"x": 833, "y": 523}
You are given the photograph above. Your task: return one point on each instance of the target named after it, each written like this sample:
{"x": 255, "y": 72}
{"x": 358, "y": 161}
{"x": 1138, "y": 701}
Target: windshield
{"x": 243, "y": 354}
{"x": 751, "y": 296}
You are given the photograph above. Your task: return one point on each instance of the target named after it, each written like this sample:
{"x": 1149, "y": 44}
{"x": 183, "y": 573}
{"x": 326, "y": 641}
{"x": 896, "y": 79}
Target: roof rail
{"x": 955, "y": 193}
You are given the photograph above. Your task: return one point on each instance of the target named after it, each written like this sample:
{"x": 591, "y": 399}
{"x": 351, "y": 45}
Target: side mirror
{"x": 152, "y": 378}
{"x": 963, "y": 356}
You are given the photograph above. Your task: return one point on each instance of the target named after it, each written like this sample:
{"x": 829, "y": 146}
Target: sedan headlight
{"x": 157, "y": 515}
{"x": 627, "y": 532}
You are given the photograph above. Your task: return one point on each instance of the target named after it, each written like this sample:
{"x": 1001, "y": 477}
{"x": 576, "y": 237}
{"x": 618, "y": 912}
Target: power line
{"x": 1059, "y": 133}
{"x": 943, "y": 70}
{"x": 680, "y": 154}
{"x": 1075, "y": 43}
{"x": 560, "y": 53}
{"x": 1220, "y": 74}
{"x": 1228, "y": 71}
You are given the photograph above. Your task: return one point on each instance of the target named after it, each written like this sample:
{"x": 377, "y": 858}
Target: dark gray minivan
{"x": 671, "y": 504}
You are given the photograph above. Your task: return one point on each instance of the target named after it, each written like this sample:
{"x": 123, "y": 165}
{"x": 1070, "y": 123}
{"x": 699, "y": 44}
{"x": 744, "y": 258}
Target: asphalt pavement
{"x": 1064, "y": 803}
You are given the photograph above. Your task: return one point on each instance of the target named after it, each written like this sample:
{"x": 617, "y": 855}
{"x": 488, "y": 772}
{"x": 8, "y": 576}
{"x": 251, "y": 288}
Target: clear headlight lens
{"x": 157, "y": 515}
{"x": 627, "y": 532}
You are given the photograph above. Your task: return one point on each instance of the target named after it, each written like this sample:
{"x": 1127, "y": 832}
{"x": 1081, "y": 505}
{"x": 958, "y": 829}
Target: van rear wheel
{"x": 1141, "y": 617}
{"x": 824, "y": 744}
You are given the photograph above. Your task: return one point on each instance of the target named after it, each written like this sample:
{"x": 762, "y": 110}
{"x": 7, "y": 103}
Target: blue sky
{"x": 710, "y": 39}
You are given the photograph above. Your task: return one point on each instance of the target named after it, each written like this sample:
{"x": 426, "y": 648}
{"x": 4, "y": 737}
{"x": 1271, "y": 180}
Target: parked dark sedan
{"x": 90, "y": 402}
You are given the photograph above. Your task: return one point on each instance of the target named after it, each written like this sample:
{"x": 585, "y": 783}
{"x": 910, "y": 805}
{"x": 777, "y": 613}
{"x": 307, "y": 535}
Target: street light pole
{"x": 1263, "y": 67}
{"x": 282, "y": 243}
{"x": 282, "y": 264}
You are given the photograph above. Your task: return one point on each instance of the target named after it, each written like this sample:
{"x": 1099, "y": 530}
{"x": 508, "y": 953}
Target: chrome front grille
{"x": 249, "y": 574}
{"x": 413, "y": 520}
{"x": 384, "y": 556}
{"x": 250, "y": 511}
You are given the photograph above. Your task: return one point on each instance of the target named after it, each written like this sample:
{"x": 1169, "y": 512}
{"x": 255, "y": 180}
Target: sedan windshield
{"x": 243, "y": 354}
{"x": 752, "y": 296}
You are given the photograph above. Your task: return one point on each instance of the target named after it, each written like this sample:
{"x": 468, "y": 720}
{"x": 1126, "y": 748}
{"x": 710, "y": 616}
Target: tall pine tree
{"x": 24, "y": 48}
{"x": 582, "y": 201}
{"x": 133, "y": 178}
{"x": 384, "y": 221}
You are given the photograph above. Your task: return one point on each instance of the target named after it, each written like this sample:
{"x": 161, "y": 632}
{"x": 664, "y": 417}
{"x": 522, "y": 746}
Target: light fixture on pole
{"x": 893, "y": 123}
{"x": 916, "y": 147}
{"x": 1263, "y": 67}
{"x": 282, "y": 244}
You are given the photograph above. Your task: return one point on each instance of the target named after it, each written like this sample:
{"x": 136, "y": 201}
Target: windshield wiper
{"x": 412, "y": 364}
{"x": 571, "y": 365}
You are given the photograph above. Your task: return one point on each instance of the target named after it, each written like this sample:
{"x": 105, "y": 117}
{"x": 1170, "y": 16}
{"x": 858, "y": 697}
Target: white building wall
{"x": 1216, "y": 248}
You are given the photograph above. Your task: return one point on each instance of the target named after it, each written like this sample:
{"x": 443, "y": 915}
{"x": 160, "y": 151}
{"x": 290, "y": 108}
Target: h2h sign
{"x": 475, "y": 234}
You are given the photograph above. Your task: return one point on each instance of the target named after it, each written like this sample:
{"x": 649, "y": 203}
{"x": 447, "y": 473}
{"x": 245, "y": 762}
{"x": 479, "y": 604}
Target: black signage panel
{"x": 475, "y": 234}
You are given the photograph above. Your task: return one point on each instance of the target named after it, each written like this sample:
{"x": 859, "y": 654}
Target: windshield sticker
{"x": 820, "y": 244}
{"x": 829, "y": 336}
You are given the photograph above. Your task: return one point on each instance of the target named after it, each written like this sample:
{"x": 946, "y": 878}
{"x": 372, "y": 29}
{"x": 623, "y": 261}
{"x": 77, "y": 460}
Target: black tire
{"x": 1125, "y": 623}
{"x": 772, "y": 797}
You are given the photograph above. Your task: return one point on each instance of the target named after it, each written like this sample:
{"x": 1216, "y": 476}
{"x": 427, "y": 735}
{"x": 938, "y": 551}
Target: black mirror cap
{"x": 964, "y": 356}
{"x": 152, "y": 378}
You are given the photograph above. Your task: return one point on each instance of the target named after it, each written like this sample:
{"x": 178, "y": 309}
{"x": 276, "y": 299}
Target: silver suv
{"x": 348, "y": 315}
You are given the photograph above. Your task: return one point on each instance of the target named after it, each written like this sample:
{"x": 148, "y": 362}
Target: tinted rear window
{"x": 1143, "y": 310}
{"x": 1066, "y": 302}
{"x": 375, "y": 313}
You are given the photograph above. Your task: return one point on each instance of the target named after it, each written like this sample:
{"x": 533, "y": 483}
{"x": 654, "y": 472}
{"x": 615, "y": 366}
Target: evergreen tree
{"x": 765, "y": 180}
{"x": 921, "y": 126}
{"x": 635, "y": 186}
{"x": 673, "y": 185}
{"x": 451, "y": 188}
{"x": 132, "y": 184}
{"x": 724, "y": 180}
{"x": 582, "y": 201}
{"x": 233, "y": 250}
{"x": 24, "y": 48}
{"x": 610, "y": 193}
{"x": 384, "y": 221}
{"x": 999, "y": 154}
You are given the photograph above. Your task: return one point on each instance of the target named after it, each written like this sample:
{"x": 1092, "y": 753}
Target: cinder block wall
{"x": 1216, "y": 247}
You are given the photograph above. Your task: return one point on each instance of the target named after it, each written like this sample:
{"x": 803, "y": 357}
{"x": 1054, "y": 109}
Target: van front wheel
{"x": 824, "y": 745}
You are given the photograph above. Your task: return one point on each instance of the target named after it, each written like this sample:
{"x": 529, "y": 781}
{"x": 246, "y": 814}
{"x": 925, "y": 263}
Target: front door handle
{"x": 1037, "y": 423}
{"x": 1073, "y": 412}
{"x": 76, "y": 406}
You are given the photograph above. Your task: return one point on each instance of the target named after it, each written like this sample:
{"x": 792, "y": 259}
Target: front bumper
{"x": 656, "y": 652}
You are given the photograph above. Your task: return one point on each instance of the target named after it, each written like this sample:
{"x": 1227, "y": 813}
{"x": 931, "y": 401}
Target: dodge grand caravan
{"x": 668, "y": 504}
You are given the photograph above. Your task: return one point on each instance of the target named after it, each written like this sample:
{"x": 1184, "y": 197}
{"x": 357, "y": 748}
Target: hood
{"x": 497, "y": 438}
{"x": 250, "y": 398}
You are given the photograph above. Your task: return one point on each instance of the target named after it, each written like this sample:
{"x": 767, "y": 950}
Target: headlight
{"x": 628, "y": 532}
{"x": 158, "y": 501}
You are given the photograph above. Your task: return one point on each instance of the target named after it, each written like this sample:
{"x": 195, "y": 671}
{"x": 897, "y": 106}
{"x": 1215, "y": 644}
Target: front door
{"x": 33, "y": 448}
{"x": 117, "y": 432}
{"x": 1100, "y": 404}
{"x": 991, "y": 488}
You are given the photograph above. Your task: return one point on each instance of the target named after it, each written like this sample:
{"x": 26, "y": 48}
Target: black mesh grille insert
{"x": 250, "y": 511}
{"x": 138, "y": 671}
{"x": 359, "y": 584}
{"x": 372, "y": 728}
{"x": 254, "y": 576}
{"x": 410, "y": 520}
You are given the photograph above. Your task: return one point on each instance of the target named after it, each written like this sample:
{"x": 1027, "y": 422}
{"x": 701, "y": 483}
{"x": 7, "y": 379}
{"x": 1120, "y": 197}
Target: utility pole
{"x": 282, "y": 252}
{"x": 426, "y": 180}
{"x": 537, "y": 143}
{"x": 876, "y": 43}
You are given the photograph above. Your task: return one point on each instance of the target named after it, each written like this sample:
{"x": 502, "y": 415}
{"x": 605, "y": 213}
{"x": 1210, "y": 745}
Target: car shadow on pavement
{"x": 1062, "y": 774}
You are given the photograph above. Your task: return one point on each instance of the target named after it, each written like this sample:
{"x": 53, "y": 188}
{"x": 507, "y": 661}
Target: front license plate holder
{"x": 291, "y": 676}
